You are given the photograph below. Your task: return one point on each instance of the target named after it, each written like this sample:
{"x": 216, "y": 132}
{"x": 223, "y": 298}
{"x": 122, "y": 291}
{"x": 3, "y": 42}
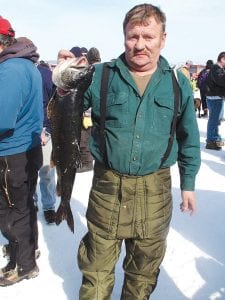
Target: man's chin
{"x": 139, "y": 63}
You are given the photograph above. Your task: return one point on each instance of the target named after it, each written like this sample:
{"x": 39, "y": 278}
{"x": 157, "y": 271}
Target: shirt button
{"x": 137, "y": 136}
{"x": 134, "y": 158}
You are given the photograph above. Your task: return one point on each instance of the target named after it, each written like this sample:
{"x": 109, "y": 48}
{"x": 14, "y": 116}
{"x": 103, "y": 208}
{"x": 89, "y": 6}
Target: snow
{"x": 193, "y": 267}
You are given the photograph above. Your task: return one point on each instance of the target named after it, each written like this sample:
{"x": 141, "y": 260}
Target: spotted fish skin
{"x": 65, "y": 113}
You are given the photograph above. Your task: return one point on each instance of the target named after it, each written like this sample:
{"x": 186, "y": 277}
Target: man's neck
{"x": 143, "y": 72}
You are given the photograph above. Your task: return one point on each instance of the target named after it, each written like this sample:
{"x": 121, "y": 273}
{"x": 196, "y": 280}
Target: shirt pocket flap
{"x": 116, "y": 99}
{"x": 164, "y": 102}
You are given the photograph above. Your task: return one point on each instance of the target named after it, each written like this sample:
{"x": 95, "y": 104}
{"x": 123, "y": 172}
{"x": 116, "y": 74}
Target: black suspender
{"x": 177, "y": 94}
{"x": 103, "y": 99}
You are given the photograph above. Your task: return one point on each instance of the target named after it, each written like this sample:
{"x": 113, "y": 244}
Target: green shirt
{"x": 138, "y": 127}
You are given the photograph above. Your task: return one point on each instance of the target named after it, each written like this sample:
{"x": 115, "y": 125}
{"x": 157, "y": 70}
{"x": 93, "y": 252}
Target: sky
{"x": 193, "y": 26}
{"x": 194, "y": 264}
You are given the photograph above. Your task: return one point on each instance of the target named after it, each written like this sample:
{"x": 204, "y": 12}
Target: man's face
{"x": 222, "y": 61}
{"x": 143, "y": 44}
{"x": 1, "y": 48}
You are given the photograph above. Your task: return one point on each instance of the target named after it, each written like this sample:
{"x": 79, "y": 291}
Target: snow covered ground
{"x": 194, "y": 265}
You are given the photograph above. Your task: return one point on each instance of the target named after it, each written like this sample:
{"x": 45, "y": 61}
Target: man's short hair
{"x": 139, "y": 14}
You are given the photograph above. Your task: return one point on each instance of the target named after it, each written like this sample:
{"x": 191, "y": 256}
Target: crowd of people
{"x": 138, "y": 120}
{"x": 210, "y": 85}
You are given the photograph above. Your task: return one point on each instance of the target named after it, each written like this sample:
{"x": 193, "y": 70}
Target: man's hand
{"x": 188, "y": 203}
{"x": 64, "y": 55}
{"x": 45, "y": 137}
{"x": 87, "y": 122}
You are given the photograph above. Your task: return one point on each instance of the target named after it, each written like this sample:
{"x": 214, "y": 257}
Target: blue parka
{"x": 21, "y": 107}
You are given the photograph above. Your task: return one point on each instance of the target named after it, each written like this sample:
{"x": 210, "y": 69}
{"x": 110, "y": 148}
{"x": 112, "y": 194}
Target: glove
{"x": 87, "y": 122}
{"x": 45, "y": 137}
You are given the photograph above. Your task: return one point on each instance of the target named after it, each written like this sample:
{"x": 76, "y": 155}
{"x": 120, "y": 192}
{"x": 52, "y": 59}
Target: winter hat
{"x": 209, "y": 63}
{"x": 84, "y": 50}
{"x": 6, "y": 28}
{"x": 189, "y": 62}
{"x": 93, "y": 56}
{"x": 76, "y": 51}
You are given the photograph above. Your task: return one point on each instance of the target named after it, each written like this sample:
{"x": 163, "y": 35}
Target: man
{"x": 47, "y": 173}
{"x": 21, "y": 119}
{"x": 215, "y": 95}
{"x": 201, "y": 85}
{"x": 186, "y": 69}
{"x": 93, "y": 56}
{"x": 130, "y": 198}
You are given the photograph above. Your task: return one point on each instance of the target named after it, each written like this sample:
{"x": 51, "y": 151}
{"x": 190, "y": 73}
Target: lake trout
{"x": 65, "y": 112}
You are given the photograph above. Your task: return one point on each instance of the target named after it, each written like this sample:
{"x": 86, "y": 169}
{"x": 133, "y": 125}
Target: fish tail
{"x": 64, "y": 213}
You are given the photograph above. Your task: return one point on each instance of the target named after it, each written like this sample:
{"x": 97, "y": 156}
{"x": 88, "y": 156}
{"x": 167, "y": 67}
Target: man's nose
{"x": 140, "y": 43}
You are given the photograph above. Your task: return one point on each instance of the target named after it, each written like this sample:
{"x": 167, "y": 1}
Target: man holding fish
{"x": 145, "y": 125}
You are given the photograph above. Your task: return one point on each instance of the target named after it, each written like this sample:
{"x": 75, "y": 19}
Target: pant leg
{"x": 214, "y": 107}
{"x": 141, "y": 267}
{"x": 47, "y": 180}
{"x": 47, "y": 187}
{"x": 20, "y": 220}
{"x": 97, "y": 257}
{"x": 203, "y": 100}
{"x": 221, "y": 116}
{"x": 86, "y": 157}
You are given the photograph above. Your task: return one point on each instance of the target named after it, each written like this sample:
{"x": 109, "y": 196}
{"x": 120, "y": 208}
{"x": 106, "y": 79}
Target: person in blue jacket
{"x": 21, "y": 121}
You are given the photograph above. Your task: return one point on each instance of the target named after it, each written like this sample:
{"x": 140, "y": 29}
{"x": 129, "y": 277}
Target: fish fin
{"x": 64, "y": 213}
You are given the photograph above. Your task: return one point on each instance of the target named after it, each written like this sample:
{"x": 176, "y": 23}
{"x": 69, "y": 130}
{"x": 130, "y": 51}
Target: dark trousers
{"x": 86, "y": 156}
{"x": 18, "y": 217}
{"x": 203, "y": 100}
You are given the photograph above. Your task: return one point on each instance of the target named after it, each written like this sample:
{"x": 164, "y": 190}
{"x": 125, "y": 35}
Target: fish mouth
{"x": 80, "y": 63}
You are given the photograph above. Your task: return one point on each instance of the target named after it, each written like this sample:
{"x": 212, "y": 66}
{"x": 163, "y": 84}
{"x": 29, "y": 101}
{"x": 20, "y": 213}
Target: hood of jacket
{"x": 22, "y": 48}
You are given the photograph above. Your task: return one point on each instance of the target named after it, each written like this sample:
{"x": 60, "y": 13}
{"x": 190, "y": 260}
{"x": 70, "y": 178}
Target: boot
{"x": 14, "y": 276}
{"x": 214, "y": 145}
{"x": 7, "y": 270}
{"x": 9, "y": 251}
{"x": 205, "y": 113}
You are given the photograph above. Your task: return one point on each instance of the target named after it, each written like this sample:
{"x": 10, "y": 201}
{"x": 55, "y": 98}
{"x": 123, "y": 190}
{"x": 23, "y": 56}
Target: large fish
{"x": 65, "y": 112}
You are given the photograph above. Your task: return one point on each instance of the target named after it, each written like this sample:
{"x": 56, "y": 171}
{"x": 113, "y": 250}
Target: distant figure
{"x": 201, "y": 85}
{"x": 93, "y": 56}
{"x": 21, "y": 121}
{"x": 76, "y": 51}
{"x": 47, "y": 173}
{"x": 215, "y": 95}
{"x": 186, "y": 69}
{"x": 196, "y": 93}
{"x": 86, "y": 157}
{"x": 84, "y": 51}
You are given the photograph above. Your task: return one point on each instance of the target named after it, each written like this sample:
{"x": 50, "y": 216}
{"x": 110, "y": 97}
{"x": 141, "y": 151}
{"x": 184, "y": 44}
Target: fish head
{"x": 72, "y": 73}
{"x": 82, "y": 77}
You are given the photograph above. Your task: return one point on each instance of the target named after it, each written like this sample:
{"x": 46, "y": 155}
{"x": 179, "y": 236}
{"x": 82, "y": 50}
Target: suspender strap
{"x": 177, "y": 95}
{"x": 103, "y": 99}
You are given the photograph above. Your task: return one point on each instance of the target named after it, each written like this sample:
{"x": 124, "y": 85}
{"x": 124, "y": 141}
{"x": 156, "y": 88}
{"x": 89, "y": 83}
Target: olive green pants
{"x": 136, "y": 209}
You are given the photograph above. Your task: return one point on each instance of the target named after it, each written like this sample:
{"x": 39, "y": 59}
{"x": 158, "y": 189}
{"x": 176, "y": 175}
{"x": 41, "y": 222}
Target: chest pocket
{"x": 163, "y": 114}
{"x": 117, "y": 109}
